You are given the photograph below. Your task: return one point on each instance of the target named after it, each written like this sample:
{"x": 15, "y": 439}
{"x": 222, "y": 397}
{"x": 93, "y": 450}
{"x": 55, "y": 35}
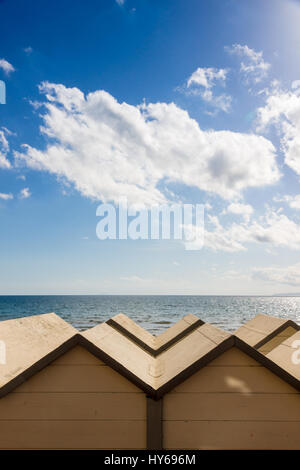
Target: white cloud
{"x": 295, "y": 84}
{"x": 24, "y": 193}
{"x": 274, "y": 228}
{"x": 279, "y": 274}
{"x": 6, "y": 196}
{"x": 28, "y": 50}
{"x": 282, "y": 109}
{"x": 6, "y": 66}
{"x": 120, "y": 2}
{"x": 202, "y": 82}
{"x": 207, "y": 77}
{"x": 208, "y": 206}
{"x": 245, "y": 210}
{"x": 4, "y": 148}
{"x": 292, "y": 201}
{"x": 109, "y": 149}
{"x": 253, "y": 66}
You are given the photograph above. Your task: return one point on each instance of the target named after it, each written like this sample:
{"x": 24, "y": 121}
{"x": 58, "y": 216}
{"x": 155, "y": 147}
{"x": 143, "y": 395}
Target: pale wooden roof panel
{"x": 284, "y": 354}
{"x": 259, "y": 328}
{"x": 29, "y": 339}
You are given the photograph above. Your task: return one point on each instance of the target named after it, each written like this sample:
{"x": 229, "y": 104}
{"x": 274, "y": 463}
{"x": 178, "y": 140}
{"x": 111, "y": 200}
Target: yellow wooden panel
{"x": 74, "y": 378}
{"x": 73, "y": 435}
{"x": 64, "y": 406}
{"x": 232, "y": 406}
{"x": 238, "y": 379}
{"x": 231, "y": 435}
{"x": 233, "y": 357}
{"x": 78, "y": 356}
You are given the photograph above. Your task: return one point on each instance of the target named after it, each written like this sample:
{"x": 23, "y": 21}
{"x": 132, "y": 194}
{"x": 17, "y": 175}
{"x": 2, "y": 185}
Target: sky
{"x": 159, "y": 102}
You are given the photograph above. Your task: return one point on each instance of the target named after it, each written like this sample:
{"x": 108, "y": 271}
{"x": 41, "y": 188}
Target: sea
{"x": 153, "y": 312}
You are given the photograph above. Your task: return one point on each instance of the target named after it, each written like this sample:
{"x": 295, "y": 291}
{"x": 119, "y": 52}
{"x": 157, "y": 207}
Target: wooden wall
{"x": 76, "y": 402}
{"x": 233, "y": 403}
{"x": 79, "y": 402}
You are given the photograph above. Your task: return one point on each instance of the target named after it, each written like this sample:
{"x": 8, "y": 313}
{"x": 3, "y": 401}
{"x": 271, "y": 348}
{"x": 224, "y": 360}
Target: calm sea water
{"x": 154, "y": 313}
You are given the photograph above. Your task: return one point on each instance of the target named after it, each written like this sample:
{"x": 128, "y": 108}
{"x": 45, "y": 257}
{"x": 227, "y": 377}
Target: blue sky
{"x": 157, "y": 101}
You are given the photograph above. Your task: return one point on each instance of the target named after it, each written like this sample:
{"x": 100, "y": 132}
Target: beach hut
{"x": 116, "y": 386}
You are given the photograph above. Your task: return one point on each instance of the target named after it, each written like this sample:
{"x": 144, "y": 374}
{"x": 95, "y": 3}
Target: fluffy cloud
{"x": 24, "y": 193}
{"x": 292, "y": 201}
{"x": 245, "y": 210}
{"x": 280, "y": 275}
{"x": 207, "y": 77}
{"x": 4, "y": 148}
{"x": 202, "y": 82}
{"x": 6, "y": 67}
{"x": 274, "y": 228}
{"x": 6, "y": 196}
{"x": 282, "y": 109}
{"x": 253, "y": 66}
{"x": 109, "y": 149}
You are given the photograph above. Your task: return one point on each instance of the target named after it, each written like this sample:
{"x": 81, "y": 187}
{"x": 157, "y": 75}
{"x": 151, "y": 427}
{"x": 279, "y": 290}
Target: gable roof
{"x": 262, "y": 328}
{"x": 30, "y": 343}
{"x": 156, "y": 374}
{"x": 34, "y": 342}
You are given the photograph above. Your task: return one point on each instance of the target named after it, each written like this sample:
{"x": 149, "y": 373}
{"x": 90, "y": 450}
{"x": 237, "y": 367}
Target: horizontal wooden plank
{"x": 233, "y": 357}
{"x": 78, "y": 356}
{"x": 232, "y": 406}
{"x": 73, "y": 435}
{"x": 76, "y": 406}
{"x": 238, "y": 379}
{"x": 73, "y": 378}
{"x": 231, "y": 435}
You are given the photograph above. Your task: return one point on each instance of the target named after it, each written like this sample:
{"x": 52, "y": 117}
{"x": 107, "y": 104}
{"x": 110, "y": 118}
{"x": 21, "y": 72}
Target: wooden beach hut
{"x": 116, "y": 386}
